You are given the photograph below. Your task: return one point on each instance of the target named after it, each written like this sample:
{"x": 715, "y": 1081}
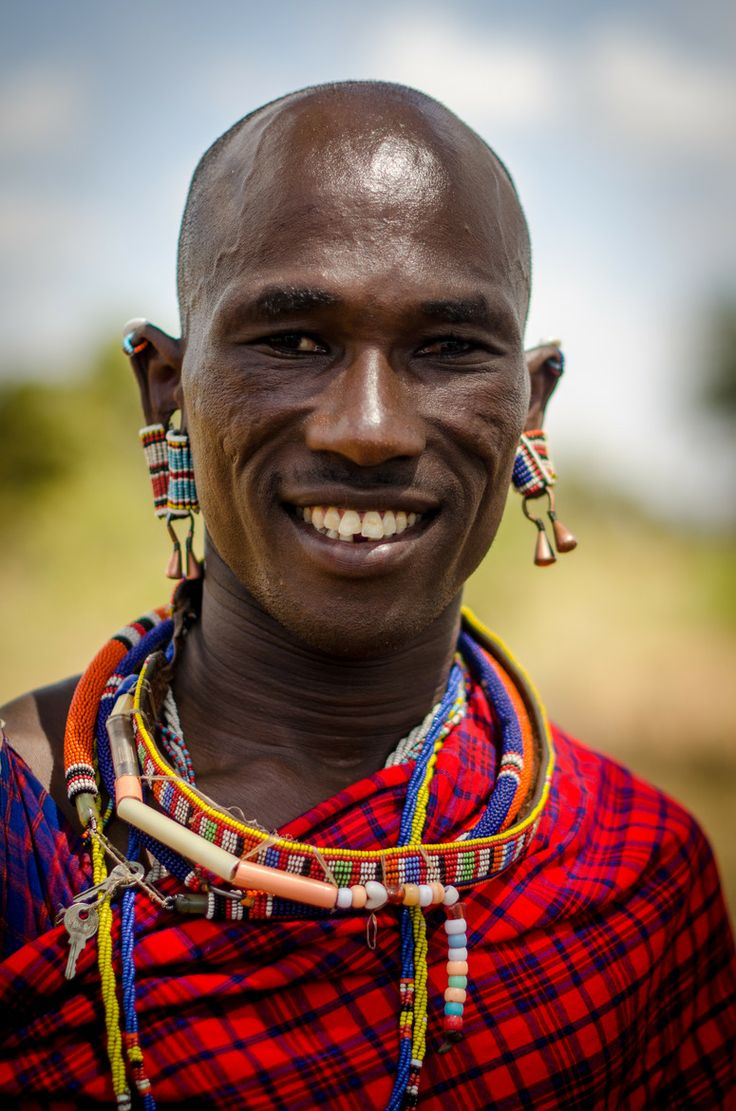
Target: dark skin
{"x": 353, "y": 338}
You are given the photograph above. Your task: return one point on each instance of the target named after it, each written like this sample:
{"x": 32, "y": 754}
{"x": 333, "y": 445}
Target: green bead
{"x": 457, "y": 981}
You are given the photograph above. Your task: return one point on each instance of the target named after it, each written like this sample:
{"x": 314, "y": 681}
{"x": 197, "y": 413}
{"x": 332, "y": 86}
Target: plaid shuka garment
{"x": 601, "y": 962}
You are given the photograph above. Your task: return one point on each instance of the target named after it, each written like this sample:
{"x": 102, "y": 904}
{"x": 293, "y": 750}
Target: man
{"x": 354, "y": 278}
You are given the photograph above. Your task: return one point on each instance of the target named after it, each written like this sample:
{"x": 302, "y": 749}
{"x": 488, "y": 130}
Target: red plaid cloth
{"x": 601, "y": 964}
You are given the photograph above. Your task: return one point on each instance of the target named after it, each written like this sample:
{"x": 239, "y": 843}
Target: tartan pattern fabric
{"x": 602, "y": 966}
{"x": 41, "y": 866}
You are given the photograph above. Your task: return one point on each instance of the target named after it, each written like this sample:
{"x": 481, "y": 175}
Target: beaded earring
{"x": 534, "y": 476}
{"x": 168, "y": 457}
{"x": 182, "y": 502}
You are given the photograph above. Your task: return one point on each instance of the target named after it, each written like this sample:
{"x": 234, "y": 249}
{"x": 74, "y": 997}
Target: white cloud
{"x": 506, "y": 79}
{"x": 660, "y": 96}
{"x": 27, "y": 222}
{"x": 41, "y": 109}
{"x": 615, "y": 81}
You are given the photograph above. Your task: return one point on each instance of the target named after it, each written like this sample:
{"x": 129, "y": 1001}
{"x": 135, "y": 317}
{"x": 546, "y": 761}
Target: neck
{"x": 248, "y": 691}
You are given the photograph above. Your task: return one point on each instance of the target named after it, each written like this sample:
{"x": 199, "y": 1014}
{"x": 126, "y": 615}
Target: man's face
{"x": 354, "y": 382}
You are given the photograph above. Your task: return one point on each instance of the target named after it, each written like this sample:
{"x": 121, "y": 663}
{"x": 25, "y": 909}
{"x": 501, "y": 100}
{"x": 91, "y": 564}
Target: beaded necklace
{"x": 410, "y": 875}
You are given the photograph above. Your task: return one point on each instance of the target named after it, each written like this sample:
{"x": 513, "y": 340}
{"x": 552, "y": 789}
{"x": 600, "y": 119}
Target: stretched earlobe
{"x": 545, "y": 365}
{"x": 534, "y": 474}
{"x": 156, "y": 359}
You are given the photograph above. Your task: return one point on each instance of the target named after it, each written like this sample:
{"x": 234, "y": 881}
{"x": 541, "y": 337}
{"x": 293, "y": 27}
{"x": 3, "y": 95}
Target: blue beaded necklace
{"x": 412, "y": 922}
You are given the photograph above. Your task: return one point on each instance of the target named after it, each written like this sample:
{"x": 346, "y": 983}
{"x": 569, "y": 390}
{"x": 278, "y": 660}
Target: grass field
{"x": 631, "y": 639}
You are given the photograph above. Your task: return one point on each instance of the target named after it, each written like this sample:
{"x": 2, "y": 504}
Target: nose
{"x": 366, "y": 414}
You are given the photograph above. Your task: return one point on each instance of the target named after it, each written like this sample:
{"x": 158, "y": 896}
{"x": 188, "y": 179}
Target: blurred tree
{"x": 110, "y": 385}
{"x": 37, "y": 442}
{"x": 719, "y": 392}
{"x": 50, "y": 430}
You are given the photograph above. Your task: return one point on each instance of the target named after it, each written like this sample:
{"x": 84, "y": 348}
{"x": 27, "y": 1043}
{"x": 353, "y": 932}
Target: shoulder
{"x": 621, "y": 825}
{"x": 616, "y": 796}
{"x": 616, "y": 793}
{"x": 34, "y": 727}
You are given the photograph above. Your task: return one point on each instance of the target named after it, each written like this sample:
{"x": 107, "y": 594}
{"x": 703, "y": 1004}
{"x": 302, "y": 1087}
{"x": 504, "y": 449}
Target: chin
{"x": 356, "y": 631}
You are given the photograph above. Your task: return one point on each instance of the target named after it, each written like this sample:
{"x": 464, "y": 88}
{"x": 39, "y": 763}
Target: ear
{"x": 156, "y": 360}
{"x": 545, "y": 364}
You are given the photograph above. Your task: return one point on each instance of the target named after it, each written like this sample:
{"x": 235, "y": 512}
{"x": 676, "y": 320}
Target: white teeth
{"x": 372, "y": 526}
{"x": 347, "y": 524}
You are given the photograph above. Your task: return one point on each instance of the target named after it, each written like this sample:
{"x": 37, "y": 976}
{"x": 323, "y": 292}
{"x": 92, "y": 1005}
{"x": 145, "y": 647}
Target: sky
{"x": 616, "y": 120}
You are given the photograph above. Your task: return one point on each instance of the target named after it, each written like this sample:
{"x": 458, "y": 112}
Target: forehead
{"x": 341, "y": 187}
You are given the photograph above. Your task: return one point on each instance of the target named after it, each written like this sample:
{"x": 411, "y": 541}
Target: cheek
{"x": 238, "y": 425}
{"x": 485, "y": 431}
{"x": 226, "y": 419}
{"x": 483, "y": 424}
{"x": 215, "y": 413}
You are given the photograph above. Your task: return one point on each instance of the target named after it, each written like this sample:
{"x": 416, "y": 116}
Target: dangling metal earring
{"x": 169, "y": 459}
{"x": 534, "y": 476}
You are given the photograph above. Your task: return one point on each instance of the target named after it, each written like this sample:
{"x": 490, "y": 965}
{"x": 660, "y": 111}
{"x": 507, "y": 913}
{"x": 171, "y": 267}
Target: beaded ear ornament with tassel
{"x": 534, "y": 477}
{"x": 169, "y": 460}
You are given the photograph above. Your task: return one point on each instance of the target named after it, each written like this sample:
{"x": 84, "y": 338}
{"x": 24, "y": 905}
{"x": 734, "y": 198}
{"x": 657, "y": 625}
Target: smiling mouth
{"x": 357, "y": 525}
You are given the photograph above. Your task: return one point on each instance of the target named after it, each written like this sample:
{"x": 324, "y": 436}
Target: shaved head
{"x": 354, "y": 281}
{"x": 336, "y": 148}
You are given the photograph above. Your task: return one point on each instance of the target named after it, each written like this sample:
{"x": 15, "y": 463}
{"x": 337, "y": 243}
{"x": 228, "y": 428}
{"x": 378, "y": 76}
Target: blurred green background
{"x": 631, "y": 639}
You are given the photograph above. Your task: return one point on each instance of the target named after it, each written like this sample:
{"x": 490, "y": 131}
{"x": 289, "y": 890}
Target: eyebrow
{"x": 277, "y": 302}
{"x": 472, "y": 310}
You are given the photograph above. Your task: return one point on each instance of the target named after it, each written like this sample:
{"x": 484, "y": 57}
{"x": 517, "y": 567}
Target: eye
{"x": 448, "y": 347}
{"x": 295, "y": 343}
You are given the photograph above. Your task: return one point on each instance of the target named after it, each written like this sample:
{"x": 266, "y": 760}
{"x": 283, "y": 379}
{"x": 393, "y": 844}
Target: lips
{"x": 351, "y": 524}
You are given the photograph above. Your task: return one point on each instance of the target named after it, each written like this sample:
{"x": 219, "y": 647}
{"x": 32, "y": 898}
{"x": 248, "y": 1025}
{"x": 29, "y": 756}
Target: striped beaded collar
{"x": 412, "y": 875}
{"x": 503, "y": 833}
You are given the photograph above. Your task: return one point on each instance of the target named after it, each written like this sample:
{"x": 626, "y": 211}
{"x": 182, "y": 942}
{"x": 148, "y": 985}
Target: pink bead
{"x": 455, "y": 995}
{"x": 457, "y": 968}
{"x": 359, "y": 895}
{"x": 286, "y": 885}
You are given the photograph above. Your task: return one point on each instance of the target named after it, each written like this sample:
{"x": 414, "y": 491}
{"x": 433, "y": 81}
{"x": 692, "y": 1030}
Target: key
{"x": 122, "y": 875}
{"x": 81, "y": 924}
{"x": 130, "y": 873}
